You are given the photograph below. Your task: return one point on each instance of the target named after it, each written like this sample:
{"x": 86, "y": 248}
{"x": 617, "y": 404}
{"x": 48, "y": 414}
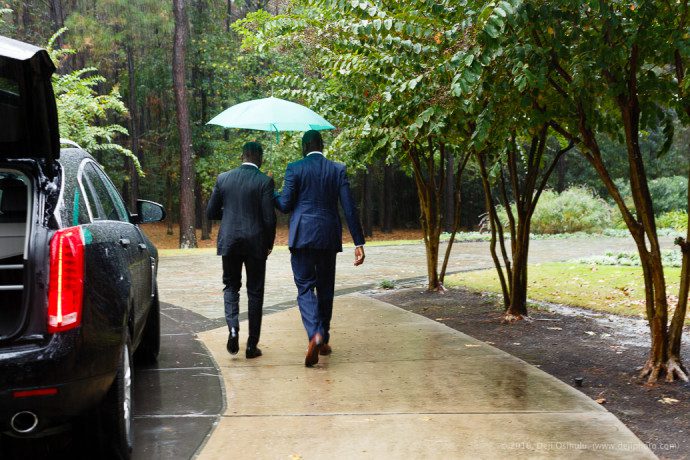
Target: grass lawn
{"x": 612, "y": 289}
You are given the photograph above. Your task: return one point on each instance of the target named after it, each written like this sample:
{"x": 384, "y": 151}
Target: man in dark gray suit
{"x": 242, "y": 200}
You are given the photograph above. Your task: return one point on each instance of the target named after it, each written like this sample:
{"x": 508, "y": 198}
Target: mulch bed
{"x": 570, "y": 347}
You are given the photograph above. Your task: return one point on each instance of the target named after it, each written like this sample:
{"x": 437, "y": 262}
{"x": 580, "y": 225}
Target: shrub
{"x": 677, "y": 220}
{"x": 668, "y": 193}
{"x": 577, "y": 209}
{"x": 387, "y": 284}
{"x": 670, "y": 258}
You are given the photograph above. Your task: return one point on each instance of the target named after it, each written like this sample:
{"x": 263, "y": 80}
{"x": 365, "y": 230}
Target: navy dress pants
{"x": 314, "y": 273}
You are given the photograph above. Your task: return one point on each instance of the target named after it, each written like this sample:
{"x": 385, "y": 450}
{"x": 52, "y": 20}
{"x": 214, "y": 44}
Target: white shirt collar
{"x": 316, "y": 151}
{"x": 250, "y": 164}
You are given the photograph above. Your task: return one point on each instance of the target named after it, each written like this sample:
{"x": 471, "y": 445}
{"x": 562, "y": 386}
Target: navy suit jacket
{"x": 312, "y": 189}
{"x": 243, "y": 202}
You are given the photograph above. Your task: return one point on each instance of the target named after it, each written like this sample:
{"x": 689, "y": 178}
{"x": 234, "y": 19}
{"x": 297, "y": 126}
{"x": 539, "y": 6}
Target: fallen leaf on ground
{"x": 667, "y": 400}
{"x": 601, "y": 400}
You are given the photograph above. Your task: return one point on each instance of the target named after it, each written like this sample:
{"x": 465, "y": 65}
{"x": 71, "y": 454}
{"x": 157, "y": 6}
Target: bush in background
{"x": 677, "y": 220}
{"x": 577, "y": 209}
{"x": 668, "y": 193}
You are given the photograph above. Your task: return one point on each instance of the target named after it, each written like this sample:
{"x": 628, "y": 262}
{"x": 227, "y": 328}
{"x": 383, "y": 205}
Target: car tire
{"x": 116, "y": 410}
{"x": 150, "y": 345}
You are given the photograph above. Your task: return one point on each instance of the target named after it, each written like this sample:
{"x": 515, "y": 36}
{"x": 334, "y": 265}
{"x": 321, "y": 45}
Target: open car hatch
{"x": 29, "y": 127}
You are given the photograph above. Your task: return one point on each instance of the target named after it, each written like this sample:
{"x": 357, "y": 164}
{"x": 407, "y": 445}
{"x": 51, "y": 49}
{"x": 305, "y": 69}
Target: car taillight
{"x": 66, "y": 285}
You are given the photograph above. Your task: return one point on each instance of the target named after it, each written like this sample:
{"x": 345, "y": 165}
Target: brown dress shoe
{"x": 325, "y": 350}
{"x": 312, "y": 356}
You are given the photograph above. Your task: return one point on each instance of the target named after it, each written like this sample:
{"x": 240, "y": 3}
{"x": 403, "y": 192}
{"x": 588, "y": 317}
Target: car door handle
{"x": 142, "y": 247}
{"x": 124, "y": 242}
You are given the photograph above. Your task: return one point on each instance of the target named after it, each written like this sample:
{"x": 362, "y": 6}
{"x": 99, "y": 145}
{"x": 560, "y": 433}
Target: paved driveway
{"x": 188, "y": 395}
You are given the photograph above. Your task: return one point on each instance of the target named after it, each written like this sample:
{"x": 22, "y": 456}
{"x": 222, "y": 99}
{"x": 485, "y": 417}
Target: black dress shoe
{"x": 233, "y": 343}
{"x": 253, "y": 352}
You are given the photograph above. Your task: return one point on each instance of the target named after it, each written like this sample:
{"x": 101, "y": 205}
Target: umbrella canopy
{"x": 271, "y": 114}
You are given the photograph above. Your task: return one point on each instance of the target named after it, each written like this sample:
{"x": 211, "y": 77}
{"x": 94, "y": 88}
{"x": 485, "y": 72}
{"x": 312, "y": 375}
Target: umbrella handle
{"x": 277, "y": 133}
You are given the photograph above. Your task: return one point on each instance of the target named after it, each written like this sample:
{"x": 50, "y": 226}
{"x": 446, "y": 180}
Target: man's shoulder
{"x": 224, "y": 175}
{"x": 297, "y": 163}
{"x": 263, "y": 176}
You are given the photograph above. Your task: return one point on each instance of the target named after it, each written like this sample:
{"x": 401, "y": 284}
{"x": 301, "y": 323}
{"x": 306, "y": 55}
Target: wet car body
{"x": 81, "y": 297}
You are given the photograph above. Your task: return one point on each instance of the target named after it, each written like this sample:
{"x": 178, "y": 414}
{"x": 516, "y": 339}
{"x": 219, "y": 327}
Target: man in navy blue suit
{"x": 312, "y": 189}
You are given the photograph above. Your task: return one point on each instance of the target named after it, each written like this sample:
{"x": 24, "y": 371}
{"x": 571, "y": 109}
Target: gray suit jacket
{"x": 242, "y": 200}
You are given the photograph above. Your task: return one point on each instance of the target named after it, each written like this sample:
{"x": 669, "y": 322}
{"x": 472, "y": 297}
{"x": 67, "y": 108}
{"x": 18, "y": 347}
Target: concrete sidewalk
{"x": 399, "y": 385}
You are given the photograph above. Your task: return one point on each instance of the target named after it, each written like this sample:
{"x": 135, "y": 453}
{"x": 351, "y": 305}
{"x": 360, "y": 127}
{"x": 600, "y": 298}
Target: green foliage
{"x": 574, "y": 210}
{"x": 3, "y": 12}
{"x": 86, "y": 116}
{"x": 387, "y": 284}
{"x": 668, "y": 193}
{"x": 677, "y": 220}
{"x": 671, "y": 258}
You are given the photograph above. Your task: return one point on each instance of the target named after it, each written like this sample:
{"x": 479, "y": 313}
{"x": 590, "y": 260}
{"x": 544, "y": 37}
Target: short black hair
{"x": 252, "y": 152}
{"x": 312, "y": 142}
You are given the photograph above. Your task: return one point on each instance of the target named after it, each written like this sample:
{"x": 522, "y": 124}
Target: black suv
{"x": 77, "y": 275}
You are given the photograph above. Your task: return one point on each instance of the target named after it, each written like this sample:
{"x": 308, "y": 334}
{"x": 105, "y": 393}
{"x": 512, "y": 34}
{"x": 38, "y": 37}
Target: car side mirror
{"x": 148, "y": 211}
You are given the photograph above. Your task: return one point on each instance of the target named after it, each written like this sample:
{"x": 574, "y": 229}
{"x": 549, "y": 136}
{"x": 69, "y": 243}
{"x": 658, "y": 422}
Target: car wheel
{"x": 116, "y": 410}
{"x": 150, "y": 345}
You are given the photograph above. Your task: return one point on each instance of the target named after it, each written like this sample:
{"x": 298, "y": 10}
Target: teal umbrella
{"x": 271, "y": 114}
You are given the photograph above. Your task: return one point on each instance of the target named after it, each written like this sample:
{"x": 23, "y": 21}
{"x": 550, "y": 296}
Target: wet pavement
{"x": 399, "y": 385}
{"x": 179, "y": 399}
{"x": 413, "y": 374}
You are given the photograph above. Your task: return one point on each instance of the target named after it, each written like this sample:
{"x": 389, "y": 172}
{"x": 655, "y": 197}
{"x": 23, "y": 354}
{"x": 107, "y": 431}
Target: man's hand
{"x": 359, "y": 255}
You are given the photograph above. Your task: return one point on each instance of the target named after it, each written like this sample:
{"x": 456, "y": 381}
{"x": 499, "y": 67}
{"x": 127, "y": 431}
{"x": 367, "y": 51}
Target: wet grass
{"x": 611, "y": 289}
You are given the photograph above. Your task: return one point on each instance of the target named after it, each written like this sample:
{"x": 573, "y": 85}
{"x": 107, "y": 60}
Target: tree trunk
{"x": 187, "y": 173}
{"x": 495, "y": 226}
{"x": 457, "y": 202}
{"x": 628, "y": 105}
{"x": 126, "y": 161}
{"x": 428, "y": 211}
{"x": 58, "y": 18}
{"x": 518, "y": 282}
{"x": 133, "y": 130}
{"x": 640, "y": 227}
{"x": 674, "y": 365}
{"x": 449, "y": 196}
{"x": 387, "y": 225}
{"x": 169, "y": 203}
{"x": 368, "y": 205}
{"x": 205, "y": 222}
{"x": 228, "y": 16}
{"x": 561, "y": 171}
{"x": 199, "y": 207}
